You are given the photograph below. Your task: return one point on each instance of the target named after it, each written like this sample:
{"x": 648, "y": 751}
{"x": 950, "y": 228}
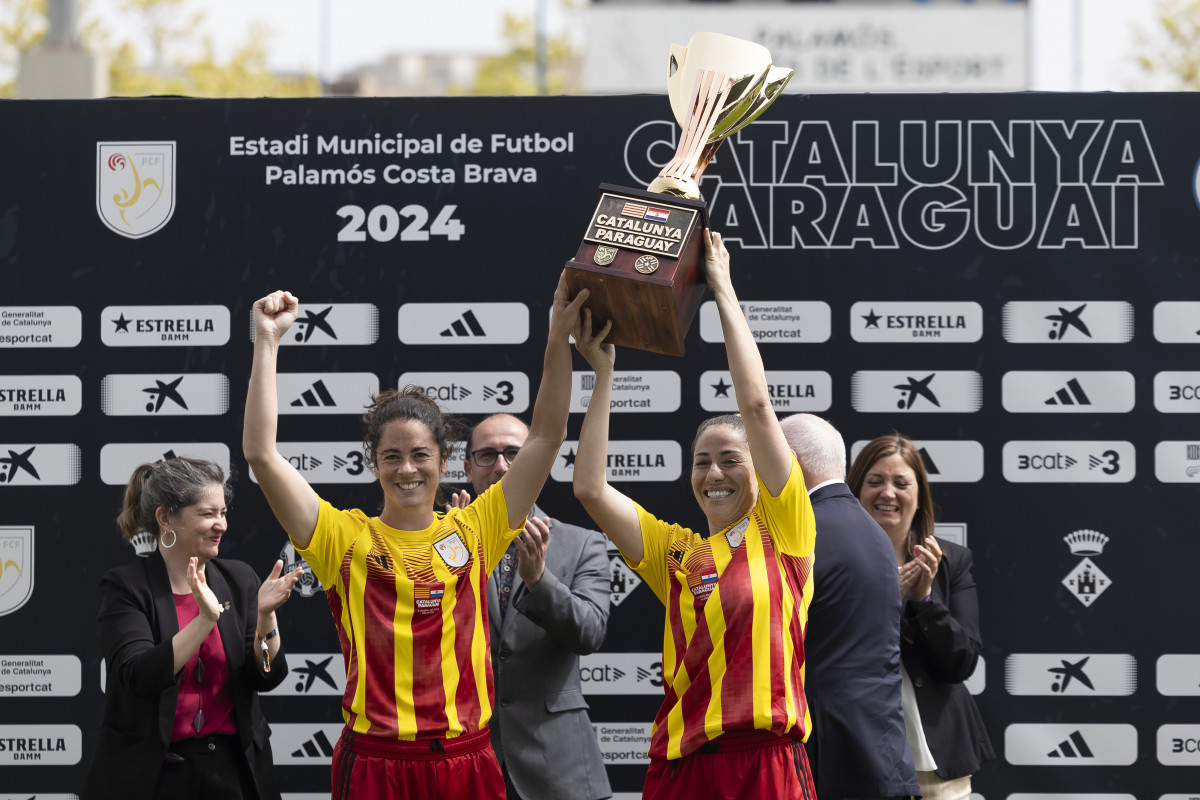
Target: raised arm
{"x": 548, "y": 428}
{"x": 613, "y": 511}
{"x": 291, "y": 498}
{"x": 768, "y": 446}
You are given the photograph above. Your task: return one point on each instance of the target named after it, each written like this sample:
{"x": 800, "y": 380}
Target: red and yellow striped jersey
{"x": 737, "y": 607}
{"x": 411, "y": 612}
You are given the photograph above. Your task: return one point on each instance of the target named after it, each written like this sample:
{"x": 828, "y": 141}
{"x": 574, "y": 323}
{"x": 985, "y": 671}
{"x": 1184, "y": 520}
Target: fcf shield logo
{"x": 16, "y": 566}
{"x": 135, "y": 186}
{"x": 452, "y": 550}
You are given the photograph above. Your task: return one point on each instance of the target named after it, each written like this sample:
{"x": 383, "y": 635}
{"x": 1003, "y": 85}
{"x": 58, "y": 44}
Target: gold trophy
{"x": 642, "y": 257}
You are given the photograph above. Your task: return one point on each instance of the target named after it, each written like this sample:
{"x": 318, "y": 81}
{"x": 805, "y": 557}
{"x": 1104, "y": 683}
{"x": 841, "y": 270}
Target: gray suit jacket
{"x": 540, "y": 728}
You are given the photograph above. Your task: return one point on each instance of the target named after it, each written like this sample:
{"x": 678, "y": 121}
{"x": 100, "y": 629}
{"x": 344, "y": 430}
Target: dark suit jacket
{"x": 135, "y": 624}
{"x": 857, "y": 747}
{"x": 540, "y": 727}
{"x": 940, "y": 647}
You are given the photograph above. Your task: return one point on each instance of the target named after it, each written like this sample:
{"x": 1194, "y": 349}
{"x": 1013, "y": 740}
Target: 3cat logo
{"x": 1179, "y": 745}
{"x": 16, "y": 566}
{"x": 326, "y": 462}
{"x": 1069, "y": 462}
{"x": 135, "y": 186}
{"x": 1067, "y": 322}
{"x": 473, "y": 392}
{"x": 621, "y": 673}
{"x": 452, "y": 550}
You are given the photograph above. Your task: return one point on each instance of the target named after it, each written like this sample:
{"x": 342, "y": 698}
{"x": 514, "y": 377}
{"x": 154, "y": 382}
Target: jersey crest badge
{"x": 452, "y": 550}
{"x": 737, "y": 533}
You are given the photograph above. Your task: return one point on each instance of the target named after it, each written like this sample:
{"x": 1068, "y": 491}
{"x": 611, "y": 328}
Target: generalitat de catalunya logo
{"x": 135, "y": 186}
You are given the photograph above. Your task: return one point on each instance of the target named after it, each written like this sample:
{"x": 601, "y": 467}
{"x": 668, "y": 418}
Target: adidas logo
{"x": 1070, "y": 395}
{"x": 316, "y": 396}
{"x": 316, "y": 747}
{"x": 466, "y": 325}
{"x": 1072, "y": 747}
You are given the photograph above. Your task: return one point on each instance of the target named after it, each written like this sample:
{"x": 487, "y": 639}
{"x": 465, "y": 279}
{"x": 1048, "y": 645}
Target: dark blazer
{"x": 135, "y": 624}
{"x": 857, "y": 747}
{"x": 940, "y": 648}
{"x": 540, "y": 727}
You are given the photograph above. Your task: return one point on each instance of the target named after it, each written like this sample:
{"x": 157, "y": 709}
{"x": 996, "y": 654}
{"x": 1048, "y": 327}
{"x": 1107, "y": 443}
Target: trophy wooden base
{"x": 643, "y": 260}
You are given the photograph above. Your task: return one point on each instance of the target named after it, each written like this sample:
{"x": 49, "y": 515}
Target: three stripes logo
{"x": 316, "y": 396}
{"x": 466, "y": 325}
{"x": 316, "y": 747}
{"x": 1074, "y": 746}
{"x": 1071, "y": 745}
{"x": 1069, "y": 395}
{"x": 304, "y": 743}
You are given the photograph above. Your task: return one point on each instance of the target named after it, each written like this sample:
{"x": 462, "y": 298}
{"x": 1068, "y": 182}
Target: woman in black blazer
{"x": 188, "y": 640}
{"x": 939, "y": 623}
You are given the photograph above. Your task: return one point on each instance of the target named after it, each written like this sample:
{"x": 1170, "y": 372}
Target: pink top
{"x": 208, "y": 694}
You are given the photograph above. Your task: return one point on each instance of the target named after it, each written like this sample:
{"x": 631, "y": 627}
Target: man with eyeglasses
{"x": 548, "y": 604}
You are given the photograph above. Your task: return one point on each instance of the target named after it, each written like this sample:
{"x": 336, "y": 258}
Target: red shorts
{"x": 740, "y": 765}
{"x": 428, "y": 769}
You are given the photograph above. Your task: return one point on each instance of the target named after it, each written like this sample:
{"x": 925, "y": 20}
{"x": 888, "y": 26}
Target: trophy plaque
{"x": 642, "y": 256}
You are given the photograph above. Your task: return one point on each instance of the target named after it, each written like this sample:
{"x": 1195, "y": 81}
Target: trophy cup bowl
{"x": 642, "y": 256}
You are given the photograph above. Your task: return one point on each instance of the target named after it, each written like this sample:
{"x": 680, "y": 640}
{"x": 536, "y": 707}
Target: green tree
{"x": 1171, "y": 52}
{"x": 515, "y": 71}
{"x": 22, "y": 26}
{"x": 171, "y": 28}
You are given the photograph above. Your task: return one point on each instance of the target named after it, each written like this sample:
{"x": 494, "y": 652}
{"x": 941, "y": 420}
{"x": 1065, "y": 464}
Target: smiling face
{"x": 408, "y": 466}
{"x": 200, "y": 526}
{"x": 723, "y": 478}
{"x": 889, "y": 494}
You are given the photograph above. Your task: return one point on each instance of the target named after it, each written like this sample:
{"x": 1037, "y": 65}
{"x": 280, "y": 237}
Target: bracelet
{"x": 274, "y": 632}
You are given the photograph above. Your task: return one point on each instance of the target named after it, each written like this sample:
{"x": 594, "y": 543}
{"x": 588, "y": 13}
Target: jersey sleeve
{"x": 487, "y": 518}
{"x": 658, "y": 537}
{"x": 789, "y": 517}
{"x": 332, "y": 537}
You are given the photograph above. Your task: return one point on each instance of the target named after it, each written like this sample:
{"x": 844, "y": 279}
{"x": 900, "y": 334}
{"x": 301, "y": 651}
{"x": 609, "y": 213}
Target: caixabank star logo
{"x": 135, "y": 186}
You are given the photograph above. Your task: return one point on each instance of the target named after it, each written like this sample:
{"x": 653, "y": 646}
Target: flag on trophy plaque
{"x": 642, "y": 256}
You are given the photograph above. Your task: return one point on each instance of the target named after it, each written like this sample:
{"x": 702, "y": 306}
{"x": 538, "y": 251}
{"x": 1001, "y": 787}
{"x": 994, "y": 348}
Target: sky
{"x": 357, "y": 32}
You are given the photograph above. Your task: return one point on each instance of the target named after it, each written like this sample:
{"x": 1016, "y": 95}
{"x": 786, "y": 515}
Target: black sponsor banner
{"x": 1011, "y": 280}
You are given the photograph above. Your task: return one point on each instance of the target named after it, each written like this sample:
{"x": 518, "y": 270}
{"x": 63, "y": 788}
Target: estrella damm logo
{"x": 135, "y": 186}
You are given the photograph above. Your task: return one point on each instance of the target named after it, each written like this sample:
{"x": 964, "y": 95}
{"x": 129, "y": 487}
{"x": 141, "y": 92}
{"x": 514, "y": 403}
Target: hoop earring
{"x": 162, "y": 540}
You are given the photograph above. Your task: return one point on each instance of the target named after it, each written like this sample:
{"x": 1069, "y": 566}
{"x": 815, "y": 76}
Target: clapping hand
{"x": 916, "y": 576}
{"x": 277, "y": 588}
